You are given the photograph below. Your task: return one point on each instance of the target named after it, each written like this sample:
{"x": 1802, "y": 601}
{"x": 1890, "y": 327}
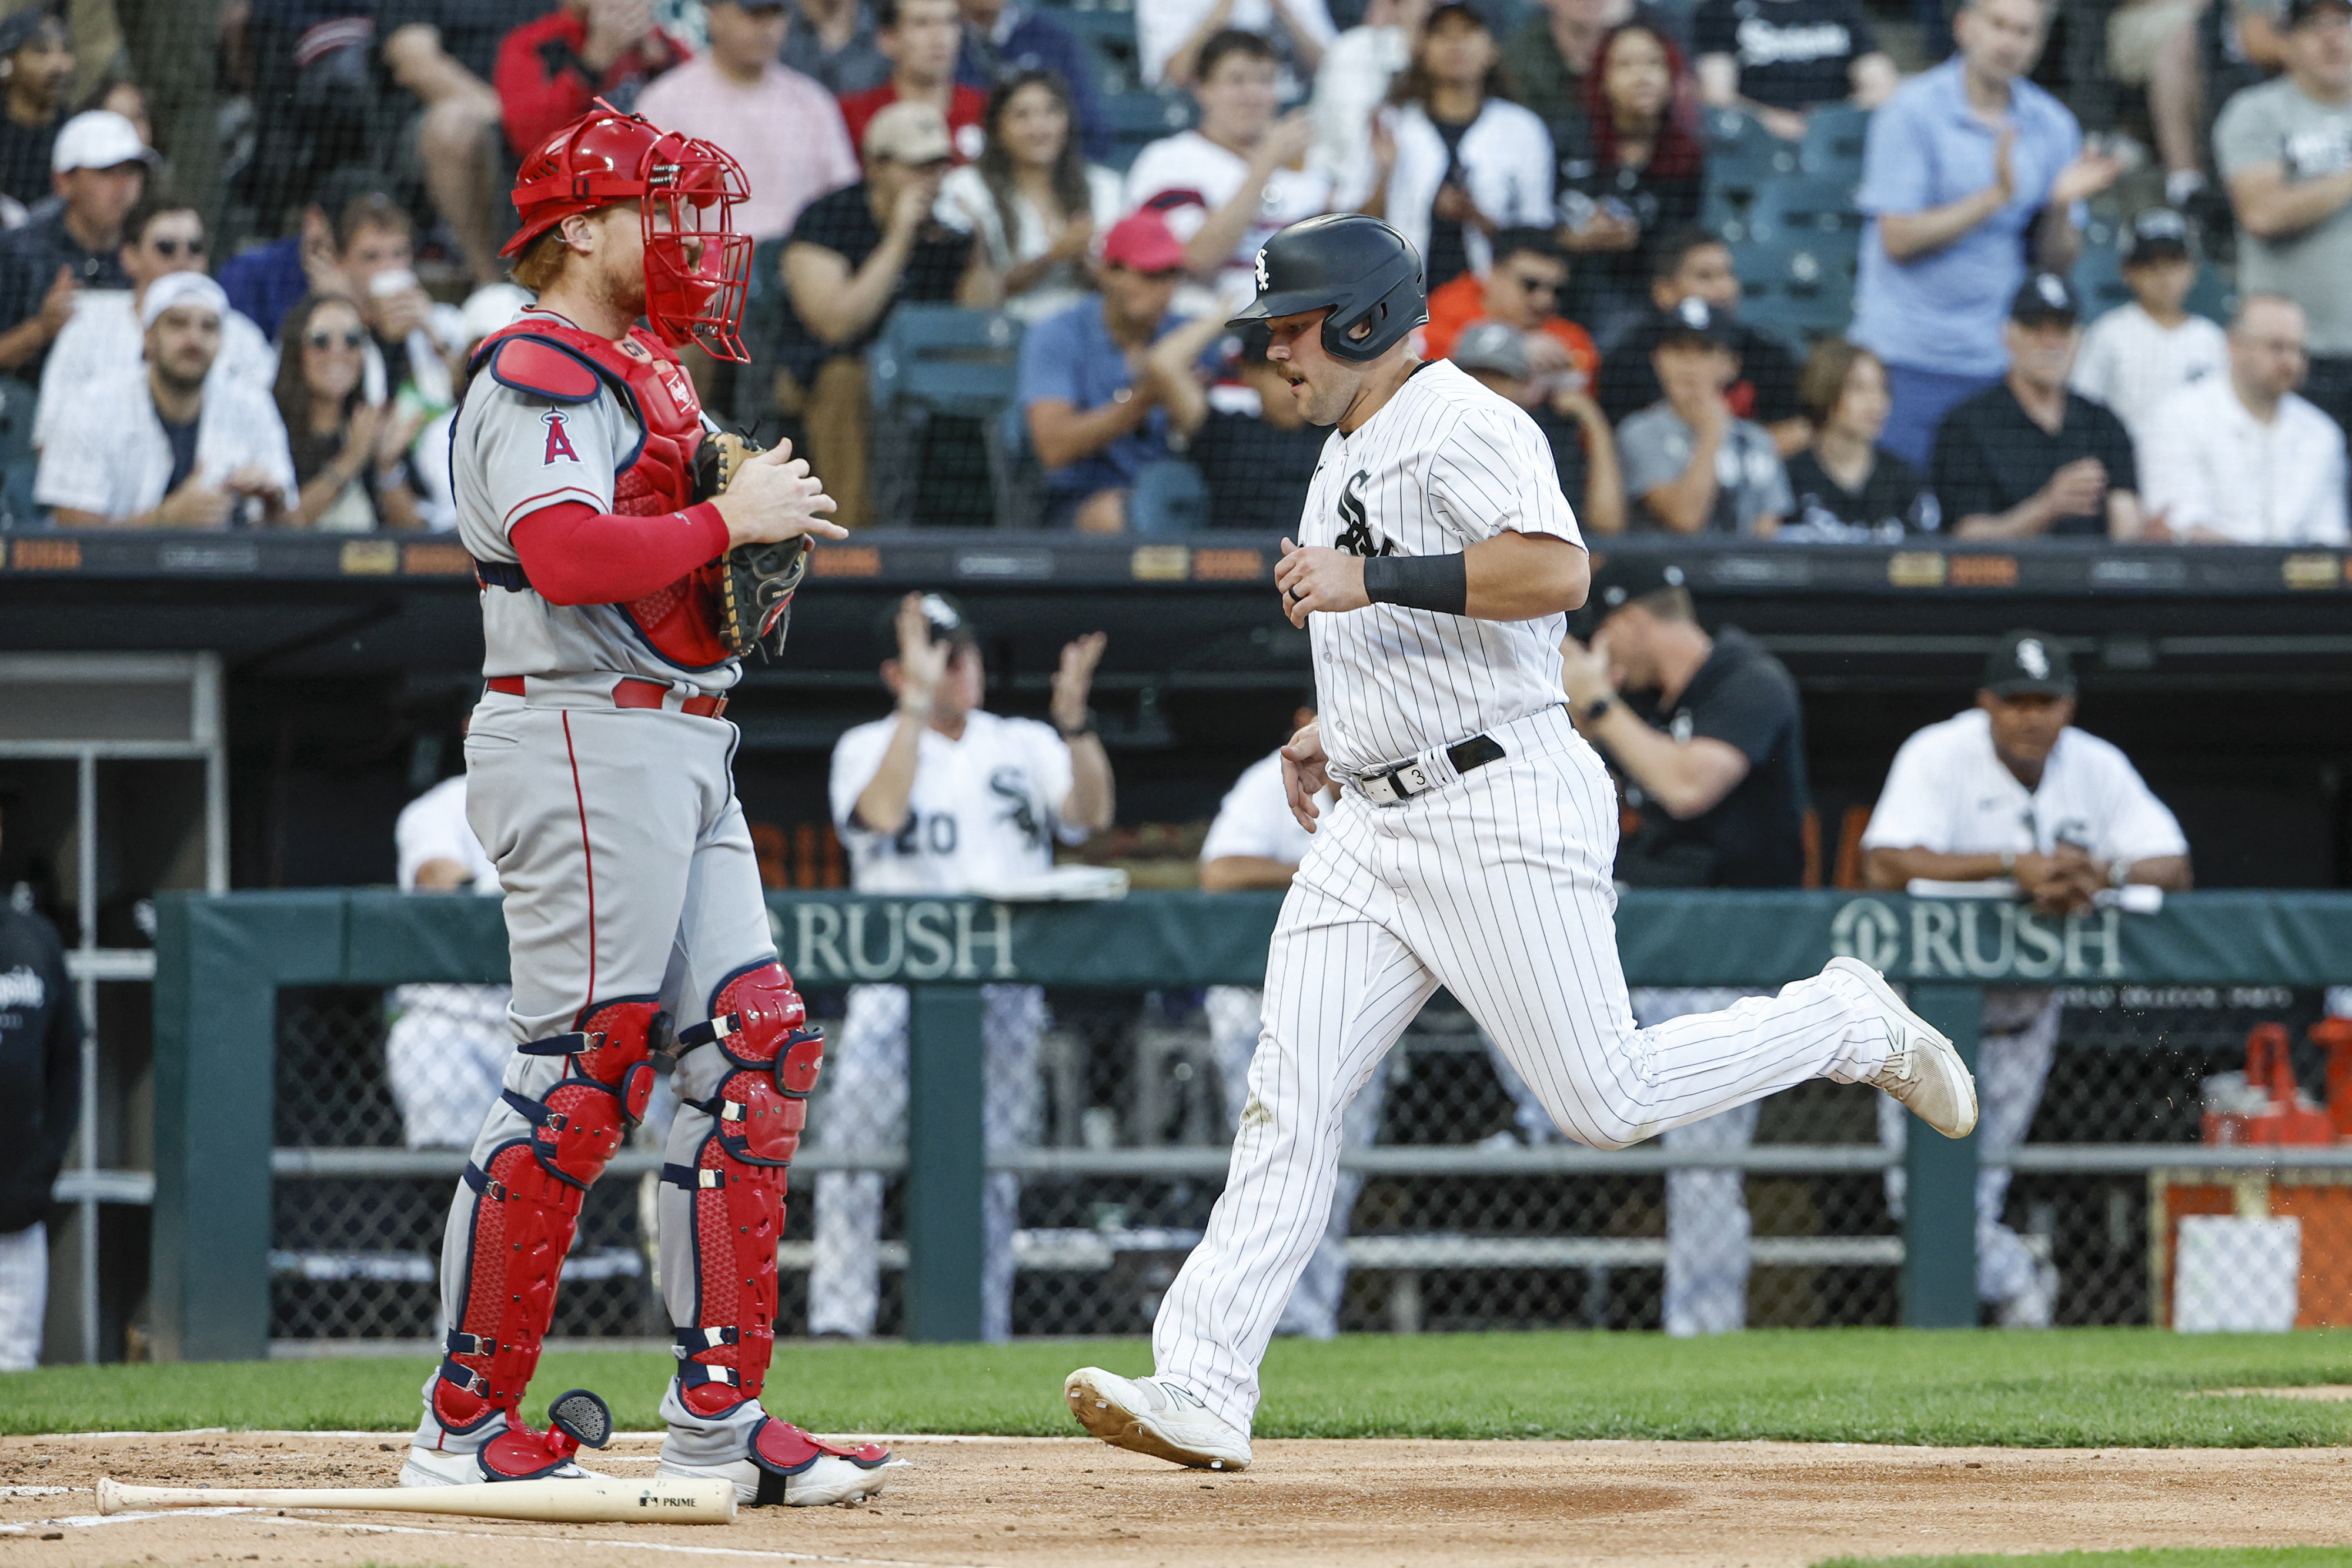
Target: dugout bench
{"x": 221, "y": 959}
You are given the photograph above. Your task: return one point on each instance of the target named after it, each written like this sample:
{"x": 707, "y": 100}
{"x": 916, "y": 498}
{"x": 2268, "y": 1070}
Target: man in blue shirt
{"x": 1959, "y": 164}
{"x": 1004, "y": 37}
{"x": 1090, "y": 386}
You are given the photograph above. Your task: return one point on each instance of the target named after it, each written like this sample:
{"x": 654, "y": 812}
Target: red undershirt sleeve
{"x": 575, "y": 554}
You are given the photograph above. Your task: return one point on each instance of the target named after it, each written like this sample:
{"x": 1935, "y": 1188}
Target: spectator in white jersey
{"x": 154, "y": 447}
{"x": 1455, "y": 159}
{"x": 1709, "y": 751}
{"x": 1255, "y": 845}
{"x": 2136, "y": 356}
{"x": 1228, "y": 187}
{"x": 2009, "y": 791}
{"x": 2239, "y": 458}
{"x": 446, "y": 1052}
{"x": 163, "y": 234}
{"x": 944, "y": 797}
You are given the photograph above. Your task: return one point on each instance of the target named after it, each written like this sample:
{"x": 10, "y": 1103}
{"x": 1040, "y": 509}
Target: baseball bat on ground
{"x": 597, "y": 1500}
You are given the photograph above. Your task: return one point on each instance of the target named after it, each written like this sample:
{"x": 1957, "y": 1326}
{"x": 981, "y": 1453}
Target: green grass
{"x": 2072, "y": 1388}
{"x": 2139, "y": 1557}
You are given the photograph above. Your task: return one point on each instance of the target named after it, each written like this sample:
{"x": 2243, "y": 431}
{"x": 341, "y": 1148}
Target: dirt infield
{"x": 1070, "y": 1501}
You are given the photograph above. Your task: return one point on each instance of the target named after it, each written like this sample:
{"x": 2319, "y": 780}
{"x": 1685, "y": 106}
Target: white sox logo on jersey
{"x": 1357, "y": 537}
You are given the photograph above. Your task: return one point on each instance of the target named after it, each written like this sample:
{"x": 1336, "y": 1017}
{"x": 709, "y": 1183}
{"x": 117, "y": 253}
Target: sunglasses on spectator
{"x": 1538, "y": 286}
{"x": 348, "y": 339}
{"x": 168, "y": 248}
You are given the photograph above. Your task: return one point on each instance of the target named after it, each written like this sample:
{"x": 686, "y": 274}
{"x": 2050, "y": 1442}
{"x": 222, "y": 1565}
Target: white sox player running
{"x": 1471, "y": 845}
{"x": 599, "y": 780}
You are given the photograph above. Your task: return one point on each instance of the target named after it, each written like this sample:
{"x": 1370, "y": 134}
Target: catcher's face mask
{"x": 697, "y": 268}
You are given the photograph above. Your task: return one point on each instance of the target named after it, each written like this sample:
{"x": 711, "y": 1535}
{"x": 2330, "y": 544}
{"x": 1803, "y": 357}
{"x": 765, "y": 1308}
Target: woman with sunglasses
{"x": 161, "y": 234}
{"x": 1033, "y": 200}
{"x": 347, "y": 452}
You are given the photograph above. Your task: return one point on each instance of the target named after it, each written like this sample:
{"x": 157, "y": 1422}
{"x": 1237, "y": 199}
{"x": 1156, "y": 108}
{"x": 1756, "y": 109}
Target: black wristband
{"x": 1440, "y": 582}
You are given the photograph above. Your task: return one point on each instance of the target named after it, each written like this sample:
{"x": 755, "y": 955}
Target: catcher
{"x": 617, "y": 599}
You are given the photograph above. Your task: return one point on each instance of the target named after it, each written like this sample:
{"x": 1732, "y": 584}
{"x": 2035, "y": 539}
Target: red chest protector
{"x": 551, "y": 359}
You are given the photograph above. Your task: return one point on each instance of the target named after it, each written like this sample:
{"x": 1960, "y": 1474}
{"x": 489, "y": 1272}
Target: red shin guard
{"x": 527, "y": 1207}
{"x": 737, "y": 1182}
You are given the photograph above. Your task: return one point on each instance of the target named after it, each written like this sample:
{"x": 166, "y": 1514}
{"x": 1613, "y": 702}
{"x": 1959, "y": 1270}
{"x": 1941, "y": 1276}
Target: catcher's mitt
{"x": 755, "y": 582}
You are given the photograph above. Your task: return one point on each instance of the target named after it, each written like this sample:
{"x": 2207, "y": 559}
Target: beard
{"x": 182, "y": 378}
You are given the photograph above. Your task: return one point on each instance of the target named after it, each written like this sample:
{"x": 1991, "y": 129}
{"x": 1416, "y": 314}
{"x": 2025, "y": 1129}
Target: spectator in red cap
{"x": 1093, "y": 385}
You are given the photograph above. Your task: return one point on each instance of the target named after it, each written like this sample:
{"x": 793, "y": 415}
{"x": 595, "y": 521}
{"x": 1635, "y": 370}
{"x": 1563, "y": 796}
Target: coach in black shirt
{"x": 40, "y": 1087}
{"x": 1712, "y": 745}
{"x": 2028, "y": 457}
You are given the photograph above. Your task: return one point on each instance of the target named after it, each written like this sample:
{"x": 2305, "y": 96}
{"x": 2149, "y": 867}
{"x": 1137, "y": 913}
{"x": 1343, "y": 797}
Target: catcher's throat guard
{"x": 697, "y": 268}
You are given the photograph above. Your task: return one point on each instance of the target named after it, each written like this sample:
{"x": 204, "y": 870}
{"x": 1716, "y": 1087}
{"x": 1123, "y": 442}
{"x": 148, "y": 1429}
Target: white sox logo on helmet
{"x": 1261, "y": 270}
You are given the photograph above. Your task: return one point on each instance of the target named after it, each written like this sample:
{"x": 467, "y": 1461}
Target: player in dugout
{"x": 1709, "y": 749}
{"x": 2009, "y": 790}
{"x": 608, "y": 526}
{"x": 944, "y": 797}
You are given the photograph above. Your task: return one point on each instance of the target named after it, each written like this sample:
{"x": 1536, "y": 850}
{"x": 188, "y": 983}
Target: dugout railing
{"x": 222, "y": 961}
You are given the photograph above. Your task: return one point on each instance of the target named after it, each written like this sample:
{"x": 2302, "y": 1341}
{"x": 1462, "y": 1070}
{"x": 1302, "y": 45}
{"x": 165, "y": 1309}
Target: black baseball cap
{"x": 2045, "y": 298}
{"x": 2159, "y": 233}
{"x": 1694, "y": 321}
{"x": 2030, "y": 662}
{"x": 2298, "y": 12}
{"x": 1618, "y": 578}
{"x": 16, "y": 29}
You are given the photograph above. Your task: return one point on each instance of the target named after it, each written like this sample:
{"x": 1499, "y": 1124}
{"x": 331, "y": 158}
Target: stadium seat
{"x": 2098, "y": 280}
{"x": 2213, "y": 295}
{"x": 1109, "y": 38}
{"x": 1169, "y": 498}
{"x": 1816, "y": 209}
{"x": 1742, "y": 157}
{"x": 1833, "y": 141}
{"x": 1792, "y": 289}
{"x": 946, "y": 360}
{"x": 18, "y": 462}
{"x": 1138, "y": 119}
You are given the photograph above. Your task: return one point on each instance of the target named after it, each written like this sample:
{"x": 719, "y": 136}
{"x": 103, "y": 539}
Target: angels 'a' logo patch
{"x": 559, "y": 443}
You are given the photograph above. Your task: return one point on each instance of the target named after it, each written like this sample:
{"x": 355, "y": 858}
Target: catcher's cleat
{"x": 499, "y": 1448}
{"x": 1156, "y": 1417}
{"x": 1923, "y": 1071}
{"x": 786, "y": 1466}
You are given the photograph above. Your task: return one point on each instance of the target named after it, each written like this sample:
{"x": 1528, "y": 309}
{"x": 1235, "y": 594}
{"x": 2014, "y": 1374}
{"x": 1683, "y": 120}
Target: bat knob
{"x": 582, "y": 1417}
{"x": 110, "y": 1495}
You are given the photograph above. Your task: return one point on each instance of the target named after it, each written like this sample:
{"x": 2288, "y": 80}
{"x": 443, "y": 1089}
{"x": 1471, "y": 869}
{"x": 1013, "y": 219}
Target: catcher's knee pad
{"x": 527, "y": 1203}
{"x": 738, "y": 1181}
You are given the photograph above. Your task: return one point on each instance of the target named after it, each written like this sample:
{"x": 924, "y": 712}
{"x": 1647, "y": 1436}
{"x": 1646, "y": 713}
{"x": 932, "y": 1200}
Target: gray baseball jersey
{"x": 511, "y": 453}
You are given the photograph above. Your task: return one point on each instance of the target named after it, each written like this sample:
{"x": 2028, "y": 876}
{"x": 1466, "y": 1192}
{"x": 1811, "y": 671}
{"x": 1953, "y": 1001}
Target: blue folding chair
{"x": 2098, "y": 280}
{"x": 1792, "y": 288}
{"x": 1138, "y": 119}
{"x": 1816, "y": 209}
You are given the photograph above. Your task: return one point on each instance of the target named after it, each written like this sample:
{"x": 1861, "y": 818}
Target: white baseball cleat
{"x": 1922, "y": 1071}
{"x": 1153, "y": 1417}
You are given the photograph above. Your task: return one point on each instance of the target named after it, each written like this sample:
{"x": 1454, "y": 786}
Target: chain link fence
{"x": 1130, "y": 1084}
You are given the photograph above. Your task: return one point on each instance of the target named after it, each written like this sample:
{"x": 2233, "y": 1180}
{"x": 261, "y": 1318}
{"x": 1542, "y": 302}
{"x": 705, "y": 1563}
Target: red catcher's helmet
{"x": 696, "y": 267}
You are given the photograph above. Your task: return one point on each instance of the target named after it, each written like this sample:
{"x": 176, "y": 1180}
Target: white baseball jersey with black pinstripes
{"x": 1442, "y": 466}
{"x": 1495, "y": 883}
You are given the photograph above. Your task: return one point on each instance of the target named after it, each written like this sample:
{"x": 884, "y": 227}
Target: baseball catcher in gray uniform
{"x": 619, "y": 592}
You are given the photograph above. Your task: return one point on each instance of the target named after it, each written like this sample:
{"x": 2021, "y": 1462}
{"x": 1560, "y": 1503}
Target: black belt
{"x": 1401, "y": 781}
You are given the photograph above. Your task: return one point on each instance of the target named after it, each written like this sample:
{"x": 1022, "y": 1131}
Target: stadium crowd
{"x": 1749, "y": 278}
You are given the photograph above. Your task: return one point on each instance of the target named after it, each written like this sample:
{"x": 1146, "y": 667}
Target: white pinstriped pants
{"x": 1496, "y": 887}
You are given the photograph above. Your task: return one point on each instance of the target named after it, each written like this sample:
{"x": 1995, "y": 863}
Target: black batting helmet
{"x": 1365, "y": 271}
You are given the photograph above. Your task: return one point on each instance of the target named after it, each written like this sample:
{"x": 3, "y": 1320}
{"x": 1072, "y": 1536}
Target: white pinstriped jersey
{"x": 1442, "y": 466}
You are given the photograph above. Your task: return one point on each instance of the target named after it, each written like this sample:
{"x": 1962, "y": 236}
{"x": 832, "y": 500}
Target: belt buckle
{"x": 1395, "y": 785}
